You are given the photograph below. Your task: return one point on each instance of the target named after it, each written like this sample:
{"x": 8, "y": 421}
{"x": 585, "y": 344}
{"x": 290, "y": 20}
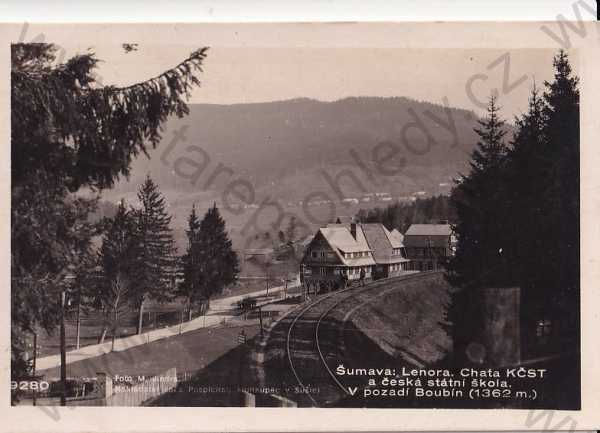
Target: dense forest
{"x": 400, "y": 216}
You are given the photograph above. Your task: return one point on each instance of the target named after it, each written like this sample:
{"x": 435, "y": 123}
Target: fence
{"x": 130, "y": 394}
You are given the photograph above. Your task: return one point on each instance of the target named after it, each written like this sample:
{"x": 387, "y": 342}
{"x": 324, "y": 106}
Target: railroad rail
{"x": 304, "y": 345}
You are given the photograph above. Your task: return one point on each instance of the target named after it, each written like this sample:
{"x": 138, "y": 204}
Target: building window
{"x": 313, "y": 254}
{"x": 544, "y": 328}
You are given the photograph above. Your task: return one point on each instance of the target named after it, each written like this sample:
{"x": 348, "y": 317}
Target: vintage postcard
{"x": 358, "y": 226}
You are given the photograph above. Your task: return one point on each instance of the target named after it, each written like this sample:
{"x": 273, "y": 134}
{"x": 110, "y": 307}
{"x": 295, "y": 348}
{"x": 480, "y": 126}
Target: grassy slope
{"x": 408, "y": 322}
{"x": 189, "y": 352}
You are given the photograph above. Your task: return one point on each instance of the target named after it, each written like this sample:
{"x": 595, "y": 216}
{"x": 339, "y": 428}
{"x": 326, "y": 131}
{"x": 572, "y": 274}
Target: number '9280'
{"x": 29, "y": 385}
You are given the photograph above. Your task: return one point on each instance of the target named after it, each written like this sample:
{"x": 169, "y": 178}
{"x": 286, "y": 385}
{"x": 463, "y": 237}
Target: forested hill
{"x": 400, "y": 216}
{"x": 267, "y": 142}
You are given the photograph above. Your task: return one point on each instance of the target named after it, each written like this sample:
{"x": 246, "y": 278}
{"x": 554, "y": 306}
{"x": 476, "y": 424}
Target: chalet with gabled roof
{"x": 342, "y": 253}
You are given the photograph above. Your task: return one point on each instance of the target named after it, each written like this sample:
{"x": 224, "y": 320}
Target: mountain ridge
{"x": 271, "y": 142}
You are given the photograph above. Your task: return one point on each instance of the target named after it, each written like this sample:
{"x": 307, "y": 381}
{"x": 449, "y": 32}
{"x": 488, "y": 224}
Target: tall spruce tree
{"x": 191, "y": 284}
{"x": 69, "y": 132}
{"x": 117, "y": 259}
{"x": 527, "y": 185}
{"x": 479, "y": 200}
{"x": 155, "y": 261}
{"x": 481, "y": 260}
{"x": 557, "y": 276}
{"x": 544, "y": 173}
{"x": 562, "y": 157}
{"x": 219, "y": 264}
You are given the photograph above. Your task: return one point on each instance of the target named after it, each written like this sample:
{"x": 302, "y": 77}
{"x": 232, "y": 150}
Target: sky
{"x": 462, "y": 77}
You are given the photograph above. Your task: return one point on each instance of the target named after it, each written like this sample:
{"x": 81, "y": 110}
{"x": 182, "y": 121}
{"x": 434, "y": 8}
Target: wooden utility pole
{"x": 261, "y": 321}
{"x": 78, "y": 320}
{"x": 34, "y": 361}
{"x": 63, "y": 351}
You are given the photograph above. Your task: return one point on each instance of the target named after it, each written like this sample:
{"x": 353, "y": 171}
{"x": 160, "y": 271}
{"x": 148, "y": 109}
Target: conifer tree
{"x": 527, "y": 180}
{"x": 478, "y": 198}
{"x": 155, "y": 261}
{"x": 69, "y": 132}
{"x": 480, "y": 259}
{"x": 544, "y": 173}
{"x": 219, "y": 261}
{"x": 117, "y": 258}
{"x": 191, "y": 285}
{"x": 556, "y": 277}
{"x": 562, "y": 157}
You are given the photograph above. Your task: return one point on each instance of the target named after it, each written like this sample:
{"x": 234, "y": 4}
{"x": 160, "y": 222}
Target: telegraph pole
{"x": 63, "y": 351}
{"x": 261, "y": 320}
{"x": 34, "y": 360}
{"x": 78, "y": 320}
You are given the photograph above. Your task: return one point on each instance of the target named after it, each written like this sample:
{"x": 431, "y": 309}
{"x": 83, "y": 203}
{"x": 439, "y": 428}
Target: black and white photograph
{"x": 196, "y": 224}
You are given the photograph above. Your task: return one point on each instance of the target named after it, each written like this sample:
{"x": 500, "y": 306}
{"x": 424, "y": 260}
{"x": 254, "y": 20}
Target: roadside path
{"x": 220, "y": 311}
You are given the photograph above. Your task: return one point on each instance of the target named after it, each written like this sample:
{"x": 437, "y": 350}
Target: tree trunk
{"x": 141, "y": 317}
{"x": 102, "y": 334}
{"x": 115, "y": 326}
{"x": 63, "y": 352}
{"x": 78, "y": 337}
{"x": 189, "y": 308}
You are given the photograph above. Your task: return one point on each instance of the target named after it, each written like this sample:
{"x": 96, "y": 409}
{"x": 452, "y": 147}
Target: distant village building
{"x": 343, "y": 253}
{"x": 429, "y": 246}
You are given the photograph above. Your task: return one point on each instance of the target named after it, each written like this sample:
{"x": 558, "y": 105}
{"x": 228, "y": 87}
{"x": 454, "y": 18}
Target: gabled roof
{"x": 429, "y": 230}
{"x": 339, "y": 236}
{"x": 383, "y": 242}
{"x": 341, "y": 241}
{"x": 396, "y": 238}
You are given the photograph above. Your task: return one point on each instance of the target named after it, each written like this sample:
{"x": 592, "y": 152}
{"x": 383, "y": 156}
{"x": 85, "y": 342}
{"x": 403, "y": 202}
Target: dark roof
{"x": 382, "y": 242}
{"x": 429, "y": 230}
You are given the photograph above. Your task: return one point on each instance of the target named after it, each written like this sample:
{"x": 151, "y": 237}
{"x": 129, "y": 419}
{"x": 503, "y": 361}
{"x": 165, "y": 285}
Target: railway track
{"x": 313, "y": 344}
